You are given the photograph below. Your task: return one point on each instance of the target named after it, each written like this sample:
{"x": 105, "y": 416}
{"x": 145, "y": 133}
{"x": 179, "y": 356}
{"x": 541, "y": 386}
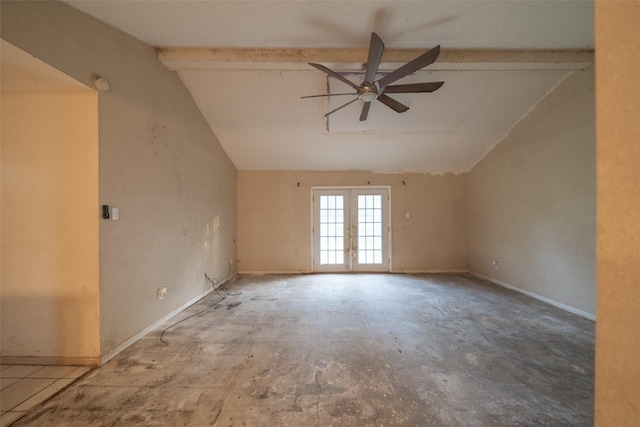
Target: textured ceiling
{"x": 477, "y": 24}
{"x": 251, "y": 98}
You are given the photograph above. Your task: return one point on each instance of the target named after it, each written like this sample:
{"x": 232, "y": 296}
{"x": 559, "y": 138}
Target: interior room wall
{"x": 618, "y": 166}
{"x": 159, "y": 163}
{"x": 274, "y": 219}
{"x": 49, "y": 293}
{"x": 531, "y": 201}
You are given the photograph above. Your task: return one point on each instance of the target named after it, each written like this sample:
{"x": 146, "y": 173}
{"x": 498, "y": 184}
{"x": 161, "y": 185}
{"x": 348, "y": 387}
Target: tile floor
{"x": 25, "y": 386}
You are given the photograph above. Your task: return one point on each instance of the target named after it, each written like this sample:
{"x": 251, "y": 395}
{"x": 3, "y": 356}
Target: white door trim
{"x": 386, "y": 214}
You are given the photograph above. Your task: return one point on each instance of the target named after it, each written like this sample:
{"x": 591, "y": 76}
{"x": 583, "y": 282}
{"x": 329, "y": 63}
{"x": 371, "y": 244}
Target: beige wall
{"x": 531, "y": 201}
{"x": 159, "y": 163}
{"x": 49, "y": 293}
{"x": 274, "y": 219}
{"x": 618, "y": 112}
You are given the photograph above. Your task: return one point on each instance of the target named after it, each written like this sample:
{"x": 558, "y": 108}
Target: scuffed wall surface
{"x": 434, "y": 236}
{"x": 274, "y": 218}
{"x": 159, "y": 164}
{"x": 531, "y": 201}
{"x": 618, "y": 112}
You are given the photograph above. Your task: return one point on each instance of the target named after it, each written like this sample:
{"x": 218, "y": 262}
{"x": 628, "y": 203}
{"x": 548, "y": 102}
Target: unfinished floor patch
{"x": 347, "y": 350}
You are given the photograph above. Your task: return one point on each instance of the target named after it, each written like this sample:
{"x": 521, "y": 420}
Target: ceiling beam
{"x": 186, "y": 58}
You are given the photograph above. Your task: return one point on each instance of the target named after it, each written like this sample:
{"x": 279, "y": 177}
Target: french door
{"x": 351, "y": 229}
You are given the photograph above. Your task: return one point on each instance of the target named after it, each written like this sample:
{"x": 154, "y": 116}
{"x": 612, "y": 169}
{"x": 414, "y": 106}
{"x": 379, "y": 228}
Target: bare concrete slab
{"x": 347, "y": 350}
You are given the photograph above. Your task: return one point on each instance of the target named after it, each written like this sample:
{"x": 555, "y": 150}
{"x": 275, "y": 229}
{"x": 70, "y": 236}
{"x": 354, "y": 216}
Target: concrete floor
{"x": 347, "y": 350}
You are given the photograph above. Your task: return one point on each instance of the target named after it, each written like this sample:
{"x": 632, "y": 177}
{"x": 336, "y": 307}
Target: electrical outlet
{"x": 162, "y": 292}
{"x": 496, "y": 264}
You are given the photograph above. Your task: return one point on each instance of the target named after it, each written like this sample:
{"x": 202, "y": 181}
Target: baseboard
{"x": 265, "y": 272}
{"x": 128, "y": 342}
{"x": 48, "y": 360}
{"x": 260, "y": 272}
{"x": 550, "y": 301}
{"x": 428, "y": 271}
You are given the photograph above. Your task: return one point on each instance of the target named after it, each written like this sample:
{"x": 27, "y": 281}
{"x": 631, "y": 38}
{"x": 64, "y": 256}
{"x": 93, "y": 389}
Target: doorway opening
{"x": 351, "y": 229}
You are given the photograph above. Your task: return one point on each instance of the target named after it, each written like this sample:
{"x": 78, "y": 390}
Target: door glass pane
{"x": 377, "y": 243}
{"x": 370, "y": 229}
{"x": 331, "y": 230}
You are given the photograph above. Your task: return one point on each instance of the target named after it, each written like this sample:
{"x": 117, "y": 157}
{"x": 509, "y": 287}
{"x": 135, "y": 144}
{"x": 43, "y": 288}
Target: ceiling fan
{"x": 371, "y": 89}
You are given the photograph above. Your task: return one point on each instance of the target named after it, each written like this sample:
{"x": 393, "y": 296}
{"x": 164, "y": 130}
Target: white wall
{"x": 274, "y": 219}
{"x": 49, "y": 293}
{"x": 531, "y": 200}
{"x": 159, "y": 163}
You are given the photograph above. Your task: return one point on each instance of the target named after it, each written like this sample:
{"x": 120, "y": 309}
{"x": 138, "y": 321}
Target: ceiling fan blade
{"x": 365, "y": 111}
{"x": 333, "y": 74}
{"x": 341, "y": 107}
{"x": 411, "y": 66}
{"x": 414, "y": 87}
{"x": 376, "y": 49}
{"x": 328, "y": 94}
{"x": 398, "y": 107}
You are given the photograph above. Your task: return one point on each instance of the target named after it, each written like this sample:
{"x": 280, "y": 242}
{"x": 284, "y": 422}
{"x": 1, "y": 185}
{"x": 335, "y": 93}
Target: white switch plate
{"x": 407, "y": 215}
{"x": 115, "y": 214}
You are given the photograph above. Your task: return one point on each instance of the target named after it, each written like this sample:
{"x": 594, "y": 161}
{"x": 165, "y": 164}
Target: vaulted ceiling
{"x": 245, "y": 64}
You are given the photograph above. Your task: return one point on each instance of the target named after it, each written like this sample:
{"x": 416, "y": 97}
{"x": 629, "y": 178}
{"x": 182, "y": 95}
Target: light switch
{"x": 115, "y": 214}
{"x": 407, "y": 215}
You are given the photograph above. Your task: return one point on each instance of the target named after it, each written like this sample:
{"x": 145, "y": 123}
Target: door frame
{"x": 387, "y": 188}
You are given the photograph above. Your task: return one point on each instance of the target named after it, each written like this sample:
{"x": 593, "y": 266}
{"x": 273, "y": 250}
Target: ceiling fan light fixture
{"x": 368, "y": 96}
